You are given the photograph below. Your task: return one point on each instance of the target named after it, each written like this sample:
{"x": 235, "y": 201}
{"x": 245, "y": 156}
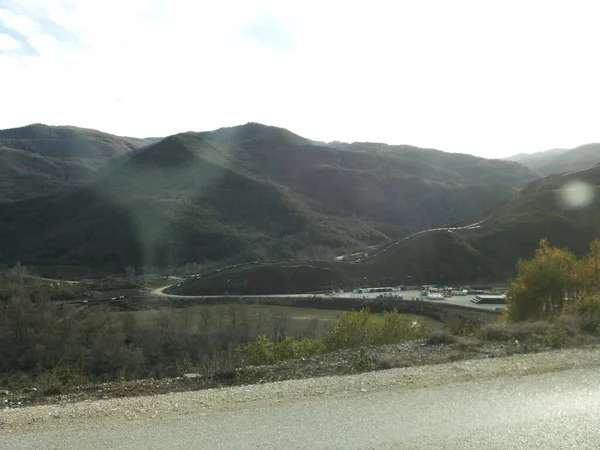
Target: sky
{"x": 490, "y": 78}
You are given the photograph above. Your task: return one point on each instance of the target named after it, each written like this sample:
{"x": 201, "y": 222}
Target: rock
{"x": 4, "y": 393}
{"x": 190, "y": 376}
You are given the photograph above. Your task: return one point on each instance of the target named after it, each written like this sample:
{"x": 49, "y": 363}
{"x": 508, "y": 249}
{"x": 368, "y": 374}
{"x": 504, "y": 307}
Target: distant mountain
{"x": 486, "y": 253}
{"x": 560, "y": 160}
{"x": 402, "y": 189}
{"x": 39, "y": 159}
{"x": 251, "y": 193}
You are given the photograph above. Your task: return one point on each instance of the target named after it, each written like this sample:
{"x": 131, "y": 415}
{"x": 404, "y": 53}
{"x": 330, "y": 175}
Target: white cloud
{"x": 491, "y": 79}
{"x": 18, "y": 22}
{"x": 8, "y": 44}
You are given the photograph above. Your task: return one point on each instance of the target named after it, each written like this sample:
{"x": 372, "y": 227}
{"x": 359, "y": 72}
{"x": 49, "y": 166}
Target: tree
{"x": 591, "y": 268}
{"x": 279, "y": 324}
{"x": 544, "y": 283}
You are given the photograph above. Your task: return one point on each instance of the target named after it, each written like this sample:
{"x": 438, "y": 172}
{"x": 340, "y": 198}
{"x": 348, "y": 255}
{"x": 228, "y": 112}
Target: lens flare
{"x": 576, "y": 194}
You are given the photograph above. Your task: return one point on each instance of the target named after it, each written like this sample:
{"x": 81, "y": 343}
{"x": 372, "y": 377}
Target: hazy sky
{"x": 491, "y": 78}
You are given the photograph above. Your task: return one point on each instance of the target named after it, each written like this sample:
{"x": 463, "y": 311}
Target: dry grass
{"x": 506, "y": 331}
{"x": 48, "y": 383}
{"x": 441, "y": 337}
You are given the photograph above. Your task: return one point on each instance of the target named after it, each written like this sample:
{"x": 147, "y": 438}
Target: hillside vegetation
{"x": 487, "y": 253}
{"x": 38, "y": 159}
{"x": 251, "y": 193}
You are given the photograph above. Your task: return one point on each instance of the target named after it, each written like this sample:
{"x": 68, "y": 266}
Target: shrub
{"x": 48, "y": 383}
{"x": 356, "y": 329}
{"x": 571, "y": 323}
{"x": 463, "y": 327}
{"x": 441, "y": 337}
{"x": 310, "y": 347}
{"x": 352, "y": 329}
{"x": 588, "y": 310}
{"x": 293, "y": 348}
{"x": 70, "y": 375}
{"x": 263, "y": 351}
{"x": 534, "y": 335}
{"x": 506, "y": 331}
{"x": 396, "y": 328}
{"x": 363, "y": 362}
{"x": 260, "y": 351}
{"x": 554, "y": 338}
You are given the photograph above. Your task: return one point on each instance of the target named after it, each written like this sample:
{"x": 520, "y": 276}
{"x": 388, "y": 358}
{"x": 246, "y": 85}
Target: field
{"x": 257, "y": 319}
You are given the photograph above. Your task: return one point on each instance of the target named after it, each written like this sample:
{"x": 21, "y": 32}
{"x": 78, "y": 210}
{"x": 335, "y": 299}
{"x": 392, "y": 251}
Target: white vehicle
{"x": 434, "y": 296}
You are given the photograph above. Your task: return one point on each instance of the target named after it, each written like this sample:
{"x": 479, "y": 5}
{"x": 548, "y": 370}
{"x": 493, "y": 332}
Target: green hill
{"x": 39, "y": 159}
{"x": 177, "y": 201}
{"x": 486, "y": 253}
{"x": 248, "y": 193}
{"x": 402, "y": 189}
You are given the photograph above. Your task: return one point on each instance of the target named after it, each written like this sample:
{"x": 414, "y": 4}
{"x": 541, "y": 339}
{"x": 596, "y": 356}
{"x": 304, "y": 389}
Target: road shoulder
{"x": 91, "y": 413}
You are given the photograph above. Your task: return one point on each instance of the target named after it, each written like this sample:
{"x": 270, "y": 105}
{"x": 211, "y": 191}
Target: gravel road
{"x": 38, "y": 420}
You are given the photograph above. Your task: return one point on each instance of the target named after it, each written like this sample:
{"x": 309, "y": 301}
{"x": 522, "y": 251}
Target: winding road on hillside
{"x": 160, "y": 291}
{"x": 449, "y": 229}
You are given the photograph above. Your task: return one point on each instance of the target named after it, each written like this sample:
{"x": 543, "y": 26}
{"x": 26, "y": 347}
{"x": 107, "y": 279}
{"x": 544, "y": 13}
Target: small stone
{"x": 190, "y": 376}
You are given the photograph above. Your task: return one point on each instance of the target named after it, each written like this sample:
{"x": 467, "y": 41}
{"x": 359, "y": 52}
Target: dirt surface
{"x": 406, "y": 354}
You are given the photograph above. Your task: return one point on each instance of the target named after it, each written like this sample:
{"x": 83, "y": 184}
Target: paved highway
{"x": 542, "y": 411}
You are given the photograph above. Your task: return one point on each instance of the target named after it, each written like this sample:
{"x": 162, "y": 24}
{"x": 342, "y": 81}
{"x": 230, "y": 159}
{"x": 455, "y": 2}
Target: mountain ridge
{"x": 248, "y": 193}
{"x": 560, "y": 160}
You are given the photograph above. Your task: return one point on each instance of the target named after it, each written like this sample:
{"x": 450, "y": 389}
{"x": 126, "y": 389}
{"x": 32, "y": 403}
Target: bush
{"x": 259, "y": 352}
{"x": 352, "y": 329}
{"x": 463, "y": 327}
{"x": 554, "y": 338}
{"x": 396, "y": 328}
{"x": 588, "y": 311}
{"x": 439, "y": 337}
{"x": 292, "y": 348}
{"x": 70, "y": 375}
{"x": 264, "y": 351}
{"x": 363, "y": 362}
{"x": 356, "y": 329}
{"x": 48, "y": 383}
{"x": 571, "y": 323}
{"x": 535, "y": 335}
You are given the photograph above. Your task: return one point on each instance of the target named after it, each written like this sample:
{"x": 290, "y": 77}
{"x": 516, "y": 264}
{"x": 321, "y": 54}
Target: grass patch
{"x": 534, "y": 336}
{"x": 351, "y": 330}
{"x": 264, "y": 351}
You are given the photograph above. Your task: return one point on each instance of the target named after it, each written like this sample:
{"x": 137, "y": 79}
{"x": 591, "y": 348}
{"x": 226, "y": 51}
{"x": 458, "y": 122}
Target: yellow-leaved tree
{"x": 591, "y": 269}
{"x": 543, "y": 284}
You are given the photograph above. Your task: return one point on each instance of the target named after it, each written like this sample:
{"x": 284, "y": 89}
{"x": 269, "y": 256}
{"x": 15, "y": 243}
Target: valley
{"x": 250, "y": 253}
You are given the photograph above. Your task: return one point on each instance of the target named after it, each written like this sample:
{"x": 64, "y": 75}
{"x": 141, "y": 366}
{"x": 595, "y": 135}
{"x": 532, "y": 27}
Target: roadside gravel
{"x": 113, "y": 410}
